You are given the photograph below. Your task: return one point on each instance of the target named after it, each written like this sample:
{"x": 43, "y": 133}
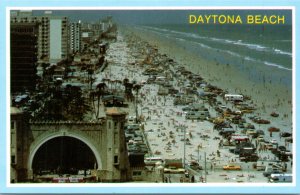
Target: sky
{"x": 155, "y": 16}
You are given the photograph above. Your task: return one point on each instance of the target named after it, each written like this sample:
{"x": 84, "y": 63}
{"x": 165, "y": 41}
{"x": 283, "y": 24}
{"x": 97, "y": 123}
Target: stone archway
{"x": 43, "y": 139}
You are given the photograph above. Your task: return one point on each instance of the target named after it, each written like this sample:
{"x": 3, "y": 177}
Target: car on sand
{"x": 232, "y": 167}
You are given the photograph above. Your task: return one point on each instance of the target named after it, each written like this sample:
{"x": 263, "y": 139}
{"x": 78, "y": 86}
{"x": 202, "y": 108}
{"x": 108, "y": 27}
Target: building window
{"x": 13, "y": 139}
{"x": 13, "y": 159}
{"x": 12, "y": 124}
{"x": 116, "y": 159}
{"x": 115, "y": 137}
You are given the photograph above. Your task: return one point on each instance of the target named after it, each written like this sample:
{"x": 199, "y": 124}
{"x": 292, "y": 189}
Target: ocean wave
{"x": 257, "y": 60}
{"x": 193, "y": 35}
{"x": 251, "y": 46}
{"x": 203, "y": 45}
{"x": 238, "y": 42}
{"x": 276, "y": 65}
{"x": 233, "y": 53}
{"x": 282, "y": 52}
{"x": 179, "y": 39}
{"x": 247, "y": 58}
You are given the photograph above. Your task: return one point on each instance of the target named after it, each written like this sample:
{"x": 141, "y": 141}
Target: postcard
{"x": 153, "y": 98}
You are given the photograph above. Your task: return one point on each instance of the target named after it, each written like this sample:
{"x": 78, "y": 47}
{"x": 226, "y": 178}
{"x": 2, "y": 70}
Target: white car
{"x": 273, "y": 141}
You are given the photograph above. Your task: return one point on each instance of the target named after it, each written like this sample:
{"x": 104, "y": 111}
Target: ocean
{"x": 263, "y": 53}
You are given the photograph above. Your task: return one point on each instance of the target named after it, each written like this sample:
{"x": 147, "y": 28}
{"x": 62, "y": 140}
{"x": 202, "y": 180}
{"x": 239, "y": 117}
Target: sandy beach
{"x": 268, "y": 97}
{"x": 164, "y": 123}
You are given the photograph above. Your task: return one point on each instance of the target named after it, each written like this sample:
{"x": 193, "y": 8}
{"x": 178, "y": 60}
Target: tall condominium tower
{"x": 75, "y": 37}
{"x": 23, "y": 56}
{"x": 52, "y": 34}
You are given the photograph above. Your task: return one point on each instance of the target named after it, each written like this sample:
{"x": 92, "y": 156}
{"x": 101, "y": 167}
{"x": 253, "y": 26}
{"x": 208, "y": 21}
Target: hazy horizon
{"x": 155, "y": 16}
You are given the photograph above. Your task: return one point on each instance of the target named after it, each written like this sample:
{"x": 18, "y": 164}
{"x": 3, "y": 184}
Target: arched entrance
{"x": 57, "y": 151}
{"x": 63, "y": 155}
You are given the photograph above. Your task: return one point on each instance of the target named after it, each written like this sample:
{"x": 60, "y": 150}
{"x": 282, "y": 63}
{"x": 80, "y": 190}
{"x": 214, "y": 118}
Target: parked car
{"x": 287, "y": 153}
{"x": 268, "y": 173}
{"x": 174, "y": 170}
{"x": 282, "y": 148}
{"x": 285, "y": 134}
{"x": 187, "y": 108}
{"x": 273, "y": 141}
{"x": 249, "y": 158}
{"x": 260, "y": 167}
{"x": 195, "y": 165}
{"x": 250, "y": 132}
{"x": 232, "y": 167}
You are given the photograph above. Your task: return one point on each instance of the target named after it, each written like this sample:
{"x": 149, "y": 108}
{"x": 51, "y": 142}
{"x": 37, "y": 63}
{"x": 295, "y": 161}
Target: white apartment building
{"x": 75, "y": 37}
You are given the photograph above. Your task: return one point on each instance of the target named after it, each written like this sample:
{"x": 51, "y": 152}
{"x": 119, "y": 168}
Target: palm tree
{"x": 113, "y": 85}
{"x": 57, "y": 85}
{"x": 44, "y": 66}
{"x": 77, "y": 104}
{"x": 128, "y": 91}
{"x": 136, "y": 88}
{"x": 90, "y": 76}
{"x": 108, "y": 82}
{"x": 67, "y": 97}
{"x": 100, "y": 90}
{"x": 128, "y": 88}
{"x": 73, "y": 103}
{"x": 118, "y": 84}
{"x": 126, "y": 80}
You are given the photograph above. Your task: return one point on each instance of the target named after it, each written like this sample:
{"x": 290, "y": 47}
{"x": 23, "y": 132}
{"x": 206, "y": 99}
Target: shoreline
{"x": 165, "y": 124}
{"x": 281, "y": 96}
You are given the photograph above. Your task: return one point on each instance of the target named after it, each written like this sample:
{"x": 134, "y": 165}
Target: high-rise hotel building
{"x": 23, "y": 55}
{"x": 75, "y": 37}
{"x": 52, "y": 37}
